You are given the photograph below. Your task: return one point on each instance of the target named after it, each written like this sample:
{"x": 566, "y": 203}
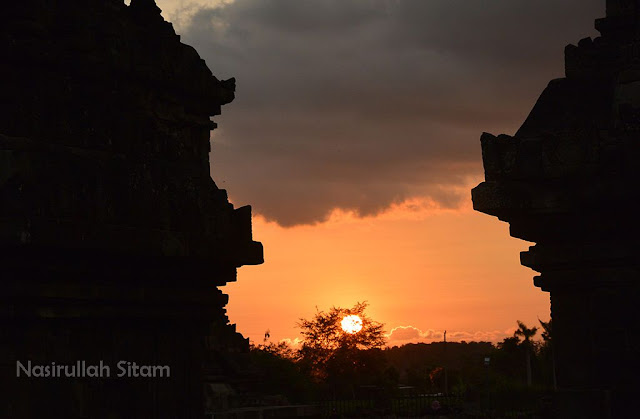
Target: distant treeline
{"x": 426, "y": 366}
{"x": 514, "y": 371}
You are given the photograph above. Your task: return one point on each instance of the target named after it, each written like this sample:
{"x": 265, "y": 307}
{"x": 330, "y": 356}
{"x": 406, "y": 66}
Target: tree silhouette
{"x": 275, "y": 365}
{"x": 526, "y": 334}
{"x": 328, "y": 352}
{"x": 547, "y": 347}
{"x": 546, "y": 330}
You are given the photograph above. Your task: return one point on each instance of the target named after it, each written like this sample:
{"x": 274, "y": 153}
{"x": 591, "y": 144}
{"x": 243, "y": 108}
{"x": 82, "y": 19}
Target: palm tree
{"x": 546, "y": 330}
{"x": 526, "y": 334}
{"x": 547, "y": 337}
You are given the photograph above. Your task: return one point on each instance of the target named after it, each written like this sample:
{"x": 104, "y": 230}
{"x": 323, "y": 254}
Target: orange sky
{"x": 404, "y": 97}
{"x": 417, "y": 266}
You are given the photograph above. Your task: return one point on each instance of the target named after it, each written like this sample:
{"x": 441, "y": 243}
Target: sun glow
{"x": 351, "y": 324}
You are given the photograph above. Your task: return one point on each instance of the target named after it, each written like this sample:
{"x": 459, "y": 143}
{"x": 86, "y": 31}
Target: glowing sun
{"x": 351, "y": 324}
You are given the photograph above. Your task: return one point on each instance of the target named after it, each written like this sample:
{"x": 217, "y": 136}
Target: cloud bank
{"x": 361, "y": 104}
{"x": 402, "y": 335}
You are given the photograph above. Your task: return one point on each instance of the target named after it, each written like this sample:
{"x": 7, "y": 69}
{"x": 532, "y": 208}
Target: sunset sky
{"x": 354, "y": 136}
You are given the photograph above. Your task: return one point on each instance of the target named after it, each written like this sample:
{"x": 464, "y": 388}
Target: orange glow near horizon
{"x": 422, "y": 270}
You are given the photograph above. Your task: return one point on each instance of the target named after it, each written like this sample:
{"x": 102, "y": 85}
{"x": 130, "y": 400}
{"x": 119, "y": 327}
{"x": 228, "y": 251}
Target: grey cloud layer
{"x": 360, "y": 104}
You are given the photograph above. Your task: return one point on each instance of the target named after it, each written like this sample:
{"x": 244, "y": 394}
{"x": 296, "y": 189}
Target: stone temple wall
{"x": 113, "y": 236}
{"x": 568, "y": 180}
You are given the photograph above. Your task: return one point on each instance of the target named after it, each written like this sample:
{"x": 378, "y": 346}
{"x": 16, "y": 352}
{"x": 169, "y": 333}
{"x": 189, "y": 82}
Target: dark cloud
{"x": 361, "y": 104}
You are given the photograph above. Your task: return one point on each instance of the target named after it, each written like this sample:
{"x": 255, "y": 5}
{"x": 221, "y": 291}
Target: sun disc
{"x": 351, "y": 324}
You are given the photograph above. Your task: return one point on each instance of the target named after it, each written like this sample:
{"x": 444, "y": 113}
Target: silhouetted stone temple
{"x": 569, "y": 180}
{"x": 113, "y": 236}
